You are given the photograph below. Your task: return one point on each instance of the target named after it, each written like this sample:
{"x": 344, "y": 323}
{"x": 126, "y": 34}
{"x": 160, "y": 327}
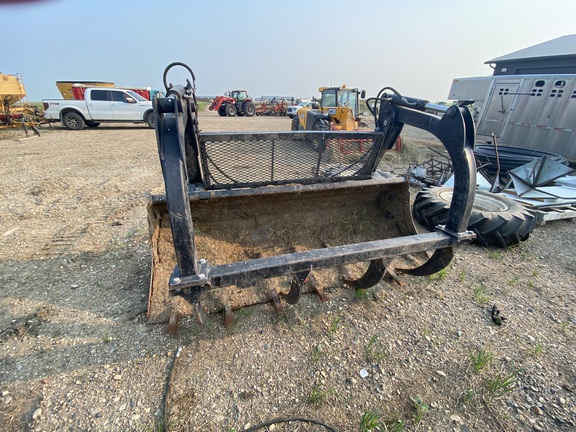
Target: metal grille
{"x": 235, "y": 160}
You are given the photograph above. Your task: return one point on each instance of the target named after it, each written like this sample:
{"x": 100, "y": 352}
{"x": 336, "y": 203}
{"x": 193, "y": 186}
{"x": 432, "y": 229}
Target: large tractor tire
{"x": 322, "y": 126}
{"x": 222, "y": 111}
{"x": 295, "y": 125}
{"x": 231, "y": 110}
{"x": 497, "y": 220}
{"x": 249, "y": 109}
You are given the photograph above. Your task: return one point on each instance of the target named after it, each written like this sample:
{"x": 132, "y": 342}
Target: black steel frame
{"x": 179, "y": 145}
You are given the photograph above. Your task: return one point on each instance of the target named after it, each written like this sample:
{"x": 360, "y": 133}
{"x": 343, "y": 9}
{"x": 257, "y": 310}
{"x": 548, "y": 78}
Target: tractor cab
{"x": 239, "y": 95}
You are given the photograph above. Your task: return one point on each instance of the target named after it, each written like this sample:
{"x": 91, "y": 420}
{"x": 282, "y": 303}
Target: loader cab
{"x": 333, "y": 97}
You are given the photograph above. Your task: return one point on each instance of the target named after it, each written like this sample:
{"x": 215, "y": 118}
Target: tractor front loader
{"x": 261, "y": 217}
{"x": 238, "y": 103}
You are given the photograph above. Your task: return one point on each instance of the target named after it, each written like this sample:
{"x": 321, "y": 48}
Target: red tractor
{"x": 238, "y": 103}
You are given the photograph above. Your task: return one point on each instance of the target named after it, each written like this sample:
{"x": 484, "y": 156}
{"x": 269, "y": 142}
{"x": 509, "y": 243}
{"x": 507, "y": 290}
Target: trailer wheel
{"x": 249, "y": 109}
{"x": 497, "y": 220}
{"x": 151, "y": 120}
{"x": 73, "y": 121}
{"x": 231, "y": 110}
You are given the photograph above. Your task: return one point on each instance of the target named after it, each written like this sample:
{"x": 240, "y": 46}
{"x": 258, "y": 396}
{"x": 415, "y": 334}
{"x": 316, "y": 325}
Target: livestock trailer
{"x": 536, "y": 112}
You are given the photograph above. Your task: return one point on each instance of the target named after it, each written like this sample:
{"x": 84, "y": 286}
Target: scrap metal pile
{"x": 518, "y": 189}
{"x": 546, "y": 186}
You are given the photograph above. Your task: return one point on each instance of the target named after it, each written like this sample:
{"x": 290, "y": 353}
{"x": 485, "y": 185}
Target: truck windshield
{"x": 136, "y": 96}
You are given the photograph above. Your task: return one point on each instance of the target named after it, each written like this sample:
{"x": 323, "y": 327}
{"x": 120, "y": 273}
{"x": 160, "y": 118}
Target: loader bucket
{"x": 257, "y": 216}
{"x": 240, "y": 227}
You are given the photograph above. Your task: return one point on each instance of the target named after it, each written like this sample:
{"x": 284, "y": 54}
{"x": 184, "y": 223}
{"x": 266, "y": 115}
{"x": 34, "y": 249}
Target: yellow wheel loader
{"x": 254, "y": 217}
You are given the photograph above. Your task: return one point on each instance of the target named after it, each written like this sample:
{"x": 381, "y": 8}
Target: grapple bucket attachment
{"x": 240, "y": 227}
{"x": 253, "y": 217}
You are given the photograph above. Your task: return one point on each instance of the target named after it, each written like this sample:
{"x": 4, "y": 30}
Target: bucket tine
{"x": 198, "y": 311}
{"x": 298, "y": 279}
{"x": 440, "y": 259}
{"x": 371, "y": 277}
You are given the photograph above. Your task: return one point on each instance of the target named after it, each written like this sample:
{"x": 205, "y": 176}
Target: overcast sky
{"x": 272, "y": 47}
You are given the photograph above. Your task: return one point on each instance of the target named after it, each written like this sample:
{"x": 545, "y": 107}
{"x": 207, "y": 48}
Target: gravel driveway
{"x": 76, "y": 352}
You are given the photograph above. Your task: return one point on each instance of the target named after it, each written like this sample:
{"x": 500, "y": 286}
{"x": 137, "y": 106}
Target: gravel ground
{"x": 76, "y": 352}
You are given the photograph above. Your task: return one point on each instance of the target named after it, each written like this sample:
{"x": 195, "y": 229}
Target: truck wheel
{"x": 231, "y": 110}
{"x": 92, "y": 124}
{"x": 249, "y": 109}
{"x": 73, "y": 121}
{"x": 497, "y": 220}
{"x": 151, "y": 120}
{"x": 222, "y": 111}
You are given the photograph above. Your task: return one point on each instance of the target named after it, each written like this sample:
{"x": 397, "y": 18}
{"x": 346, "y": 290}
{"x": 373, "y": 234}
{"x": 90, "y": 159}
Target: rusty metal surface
{"x": 228, "y": 316}
{"x": 173, "y": 322}
{"x": 319, "y": 290}
{"x": 276, "y": 302}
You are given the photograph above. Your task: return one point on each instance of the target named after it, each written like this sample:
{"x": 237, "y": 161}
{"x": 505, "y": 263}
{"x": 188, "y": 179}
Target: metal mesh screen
{"x": 257, "y": 159}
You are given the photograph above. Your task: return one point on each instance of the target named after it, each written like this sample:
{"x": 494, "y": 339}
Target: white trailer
{"x": 531, "y": 111}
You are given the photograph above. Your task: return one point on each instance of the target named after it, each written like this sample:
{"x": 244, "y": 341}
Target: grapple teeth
{"x": 440, "y": 259}
{"x": 371, "y": 277}
{"x": 298, "y": 280}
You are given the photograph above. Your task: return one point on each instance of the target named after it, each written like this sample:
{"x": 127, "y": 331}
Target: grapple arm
{"x": 455, "y": 130}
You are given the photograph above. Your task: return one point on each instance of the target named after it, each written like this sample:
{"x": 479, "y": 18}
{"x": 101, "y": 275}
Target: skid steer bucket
{"x": 255, "y": 217}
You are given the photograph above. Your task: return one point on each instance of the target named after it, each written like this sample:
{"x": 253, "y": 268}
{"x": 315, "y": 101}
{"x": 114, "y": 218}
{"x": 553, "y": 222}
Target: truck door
{"x": 98, "y": 104}
{"x": 125, "y": 106}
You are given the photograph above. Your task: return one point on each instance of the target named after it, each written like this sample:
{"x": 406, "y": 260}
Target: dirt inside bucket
{"x": 238, "y": 228}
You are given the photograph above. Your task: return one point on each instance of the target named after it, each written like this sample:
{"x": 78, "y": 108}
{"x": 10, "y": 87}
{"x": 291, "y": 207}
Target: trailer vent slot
{"x": 560, "y": 83}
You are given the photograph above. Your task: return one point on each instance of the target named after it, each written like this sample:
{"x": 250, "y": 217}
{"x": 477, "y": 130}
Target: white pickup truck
{"x": 100, "y": 105}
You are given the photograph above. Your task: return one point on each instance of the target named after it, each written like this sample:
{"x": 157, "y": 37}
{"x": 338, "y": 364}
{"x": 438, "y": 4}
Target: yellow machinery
{"x": 66, "y": 88}
{"x": 11, "y": 89}
{"x": 12, "y": 92}
{"x": 338, "y": 110}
